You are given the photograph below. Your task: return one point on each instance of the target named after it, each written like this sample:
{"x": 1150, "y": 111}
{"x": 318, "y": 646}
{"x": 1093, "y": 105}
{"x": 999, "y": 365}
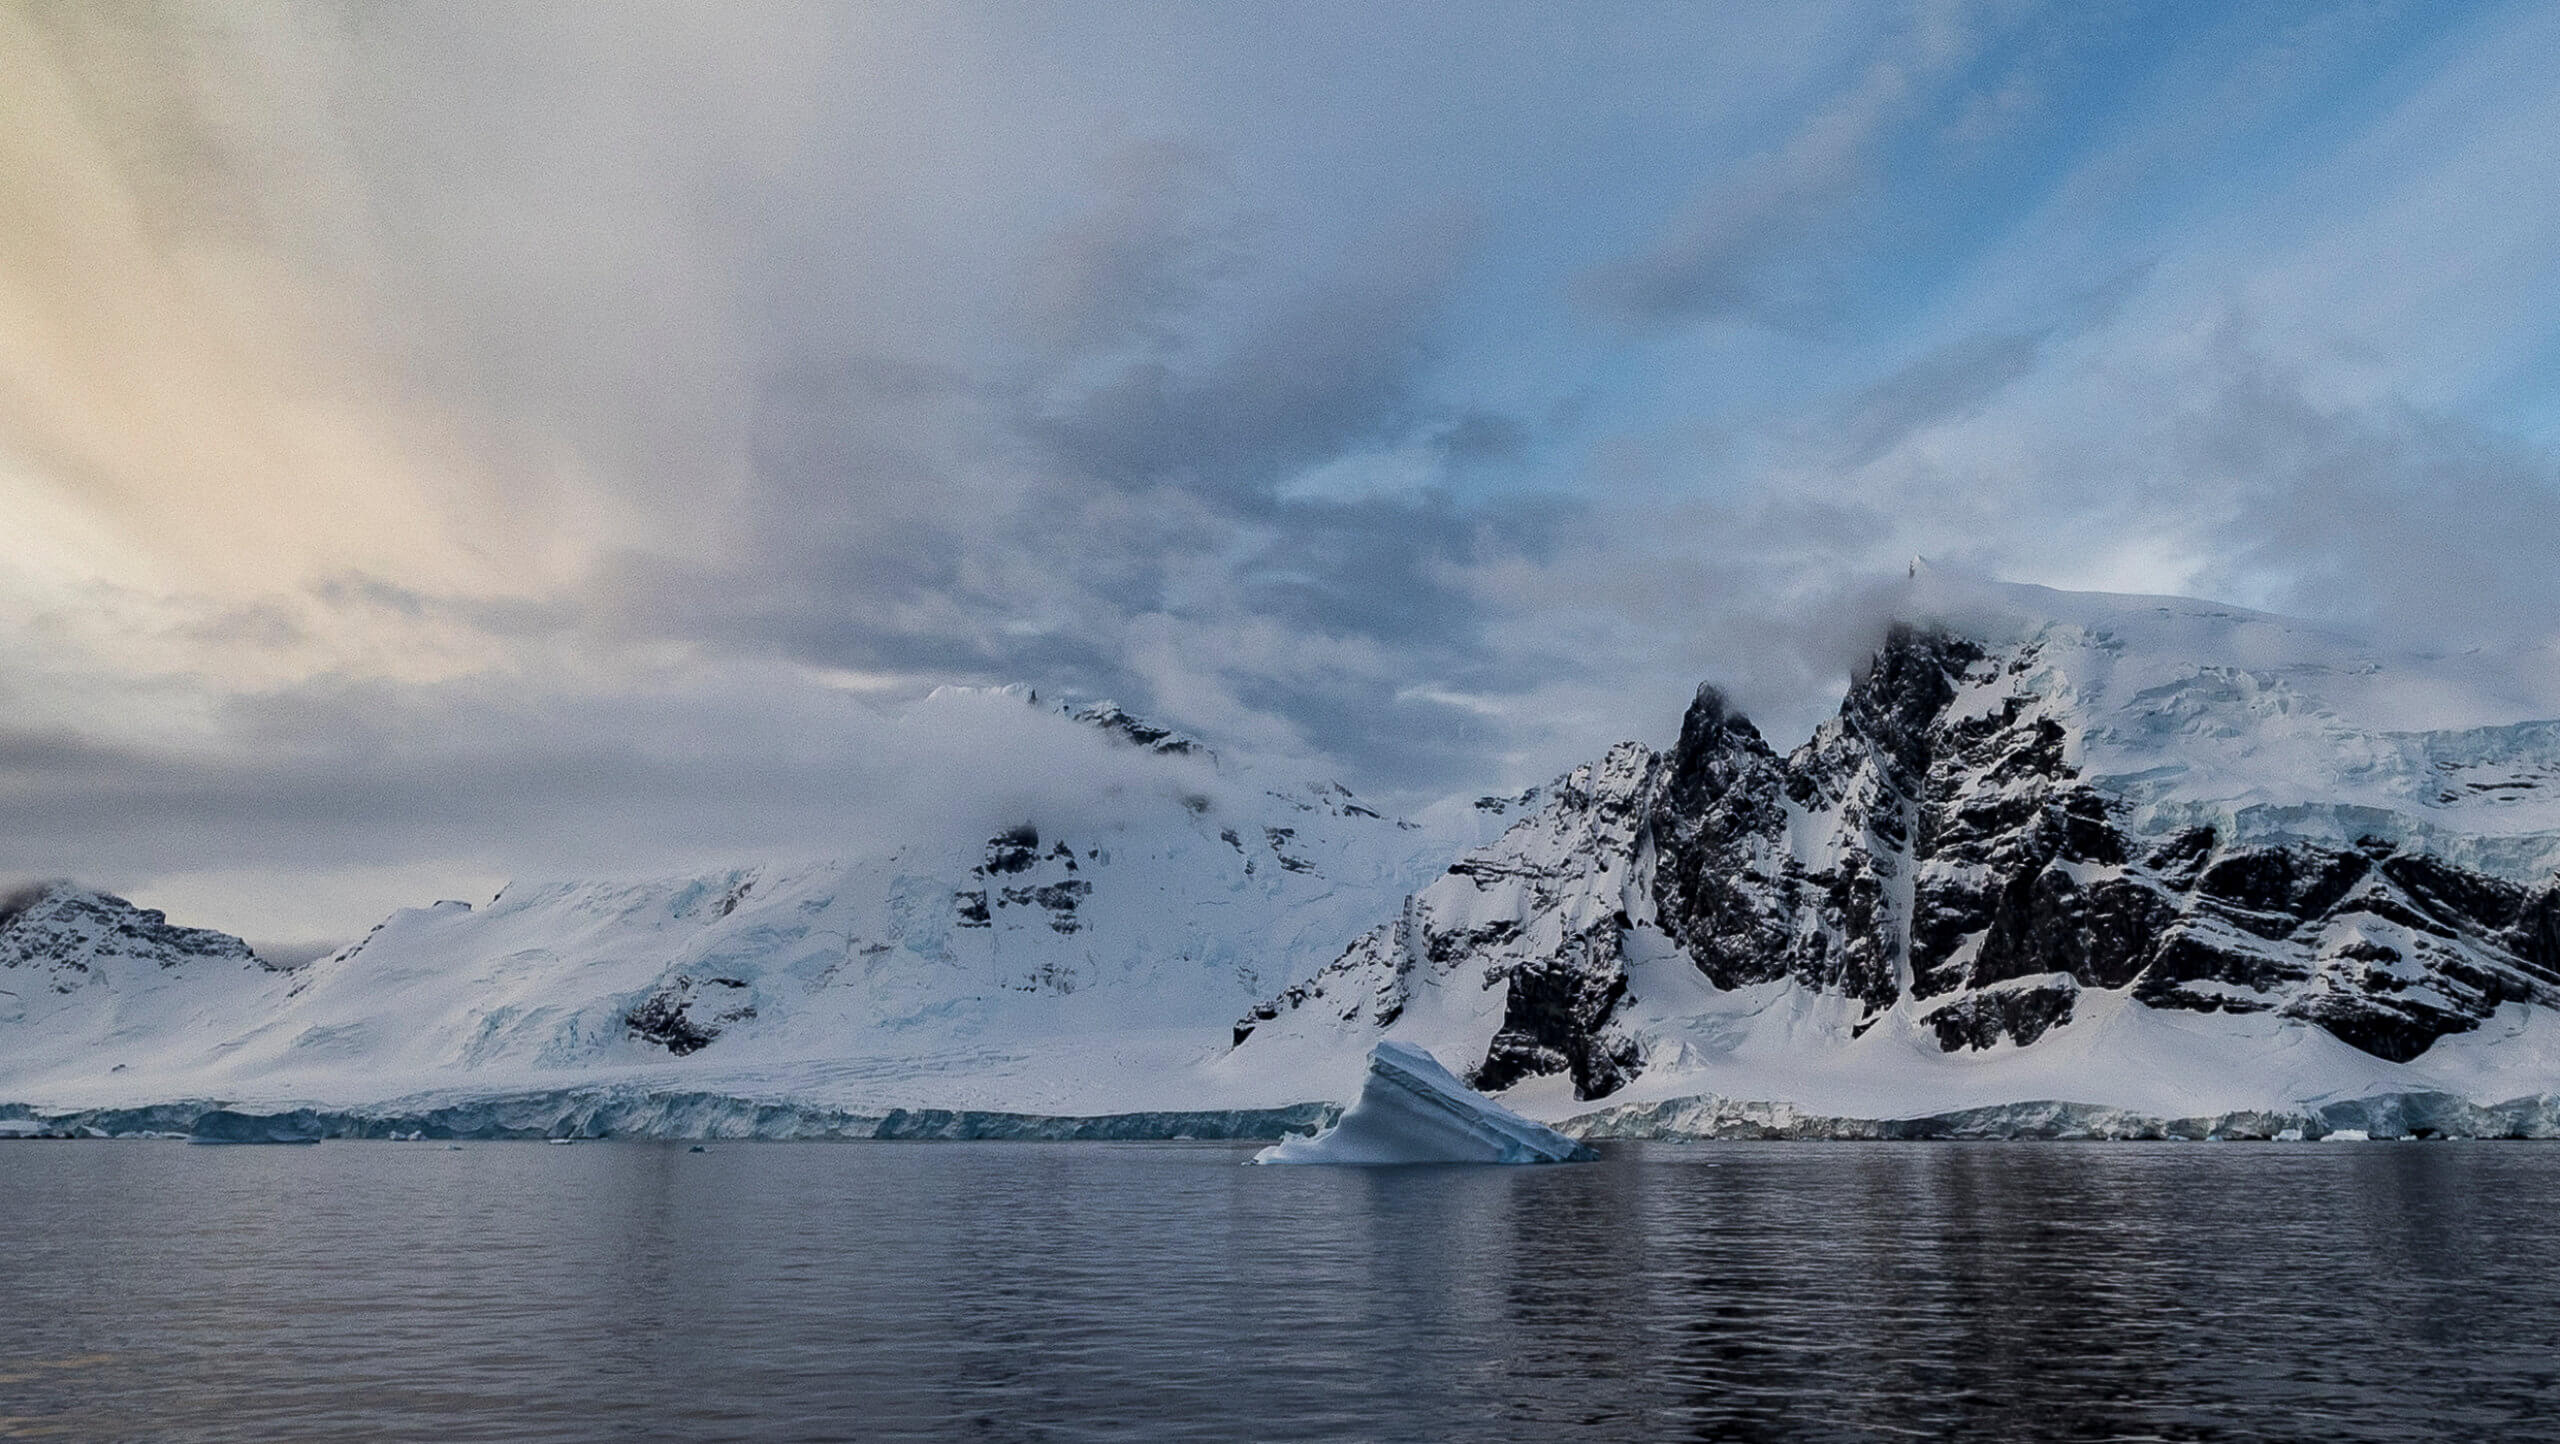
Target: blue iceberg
{"x": 1412, "y": 1110}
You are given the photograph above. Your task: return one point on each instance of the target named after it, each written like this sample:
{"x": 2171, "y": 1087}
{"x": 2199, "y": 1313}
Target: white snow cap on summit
{"x": 2272, "y": 728}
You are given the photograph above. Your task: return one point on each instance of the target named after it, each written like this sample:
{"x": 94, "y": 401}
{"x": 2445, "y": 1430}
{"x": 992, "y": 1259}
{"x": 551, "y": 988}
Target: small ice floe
{"x": 1412, "y": 1110}
{"x": 2289, "y": 1135}
{"x": 2347, "y": 1135}
{"x": 560, "y": 1142}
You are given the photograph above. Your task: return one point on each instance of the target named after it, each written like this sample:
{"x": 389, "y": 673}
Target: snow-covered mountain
{"x": 1055, "y": 963}
{"x": 2097, "y": 848}
{"x": 2149, "y": 857}
{"x": 82, "y": 971}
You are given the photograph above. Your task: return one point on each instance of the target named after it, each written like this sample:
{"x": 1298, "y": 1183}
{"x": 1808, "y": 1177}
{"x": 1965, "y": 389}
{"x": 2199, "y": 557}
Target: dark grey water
{"x": 1150, "y": 1292}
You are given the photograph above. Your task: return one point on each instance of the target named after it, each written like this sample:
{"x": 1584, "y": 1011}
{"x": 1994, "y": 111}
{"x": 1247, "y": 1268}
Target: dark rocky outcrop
{"x": 1542, "y": 914}
{"x": 2019, "y": 870}
{"x": 1978, "y": 1020}
{"x": 1136, "y": 731}
{"x": 1554, "y": 1019}
{"x": 64, "y": 932}
{"x": 685, "y": 1014}
{"x": 1934, "y": 842}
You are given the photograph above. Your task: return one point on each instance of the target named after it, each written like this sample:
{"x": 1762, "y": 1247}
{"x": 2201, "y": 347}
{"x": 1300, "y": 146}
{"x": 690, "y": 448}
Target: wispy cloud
{"x": 1753, "y": 242}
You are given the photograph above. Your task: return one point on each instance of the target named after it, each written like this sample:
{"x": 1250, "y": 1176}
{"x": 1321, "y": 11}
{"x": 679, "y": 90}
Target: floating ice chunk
{"x": 2348, "y": 1135}
{"x": 1412, "y": 1110}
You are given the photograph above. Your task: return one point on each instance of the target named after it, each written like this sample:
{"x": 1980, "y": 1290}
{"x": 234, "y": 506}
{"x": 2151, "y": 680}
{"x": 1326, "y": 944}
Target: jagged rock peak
{"x": 71, "y": 932}
{"x": 1137, "y": 731}
{"x": 20, "y": 898}
{"x": 2192, "y": 807}
{"x": 1712, "y": 722}
{"x": 1541, "y": 914}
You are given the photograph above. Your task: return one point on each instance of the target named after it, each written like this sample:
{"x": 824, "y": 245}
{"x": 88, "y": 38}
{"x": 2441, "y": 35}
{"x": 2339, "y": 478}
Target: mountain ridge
{"x": 1979, "y": 838}
{"x": 2167, "y": 858}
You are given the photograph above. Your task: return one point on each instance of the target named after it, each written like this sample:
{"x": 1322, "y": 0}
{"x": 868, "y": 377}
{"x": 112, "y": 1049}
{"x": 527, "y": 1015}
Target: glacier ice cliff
{"x": 638, "y": 1113}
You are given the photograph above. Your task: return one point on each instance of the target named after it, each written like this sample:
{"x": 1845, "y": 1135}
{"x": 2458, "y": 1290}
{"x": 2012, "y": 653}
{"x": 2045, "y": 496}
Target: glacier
{"x": 642, "y": 1113}
{"x": 592, "y": 1113}
{"x": 1412, "y": 1110}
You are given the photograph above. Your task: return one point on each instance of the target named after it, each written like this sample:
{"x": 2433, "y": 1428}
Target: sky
{"x": 447, "y": 443}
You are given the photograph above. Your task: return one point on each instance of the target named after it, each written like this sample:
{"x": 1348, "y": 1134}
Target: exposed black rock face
{"x": 1061, "y": 899}
{"x": 63, "y": 931}
{"x": 1724, "y": 797}
{"x": 18, "y": 899}
{"x": 1136, "y": 731}
{"x": 2019, "y": 870}
{"x": 1979, "y": 1020}
{"x": 1934, "y": 842}
{"x": 1280, "y": 838}
{"x": 1553, "y": 1023}
{"x": 1013, "y": 850}
{"x": 1541, "y": 914}
{"x": 2538, "y": 934}
{"x": 684, "y": 1015}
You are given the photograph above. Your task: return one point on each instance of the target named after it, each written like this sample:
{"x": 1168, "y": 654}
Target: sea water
{"x": 886, "y": 1291}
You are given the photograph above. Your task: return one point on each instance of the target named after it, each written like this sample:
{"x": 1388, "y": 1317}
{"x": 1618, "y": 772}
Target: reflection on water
{"x": 1094, "y": 1291}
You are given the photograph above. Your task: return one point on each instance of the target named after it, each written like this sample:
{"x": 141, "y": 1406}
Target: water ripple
{"x": 1118, "y": 1292}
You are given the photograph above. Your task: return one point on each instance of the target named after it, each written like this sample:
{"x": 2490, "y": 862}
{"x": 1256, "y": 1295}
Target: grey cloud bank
{"x": 563, "y": 439}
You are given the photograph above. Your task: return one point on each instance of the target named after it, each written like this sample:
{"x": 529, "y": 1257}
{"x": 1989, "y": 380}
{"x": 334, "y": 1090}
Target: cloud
{"x": 475, "y": 437}
{"x": 696, "y": 765}
{"x": 2191, "y": 460}
{"x": 1750, "y": 243}
{"x": 2411, "y": 521}
{"x": 1137, "y": 468}
{"x": 1143, "y": 256}
{"x": 1949, "y": 383}
{"x": 1332, "y": 369}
